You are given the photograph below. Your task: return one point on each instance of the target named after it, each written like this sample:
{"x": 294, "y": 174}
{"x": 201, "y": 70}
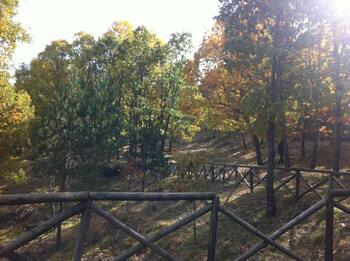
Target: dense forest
{"x": 270, "y": 71}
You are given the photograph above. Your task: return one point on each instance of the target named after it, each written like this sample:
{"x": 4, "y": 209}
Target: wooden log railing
{"x": 86, "y": 204}
{"x": 252, "y": 176}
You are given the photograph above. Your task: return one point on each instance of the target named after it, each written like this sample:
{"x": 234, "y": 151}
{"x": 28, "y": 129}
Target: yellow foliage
{"x": 19, "y": 177}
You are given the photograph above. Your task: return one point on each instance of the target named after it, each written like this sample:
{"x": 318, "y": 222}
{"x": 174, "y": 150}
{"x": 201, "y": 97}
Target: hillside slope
{"x": 103, "y": 241}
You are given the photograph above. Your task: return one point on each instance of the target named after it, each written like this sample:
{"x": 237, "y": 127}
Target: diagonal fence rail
{"x": 298, "y": 182}
{"x": 248, "y": 176}
{"x": 86, "y": 205}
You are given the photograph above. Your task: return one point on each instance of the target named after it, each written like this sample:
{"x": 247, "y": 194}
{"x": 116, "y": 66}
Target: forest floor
{"x": 104, "y": 242}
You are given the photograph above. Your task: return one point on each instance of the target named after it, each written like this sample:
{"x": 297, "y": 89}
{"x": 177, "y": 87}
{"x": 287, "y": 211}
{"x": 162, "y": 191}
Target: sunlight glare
{"x": 343, "y": 8}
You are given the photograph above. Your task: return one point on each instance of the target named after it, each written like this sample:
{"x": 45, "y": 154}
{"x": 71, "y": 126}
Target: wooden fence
{"x": 250, "y": 176}
{"x": 86, "y": 205}
{"x": 238, "y": 174}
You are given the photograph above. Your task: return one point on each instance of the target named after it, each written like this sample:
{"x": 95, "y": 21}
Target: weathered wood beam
{"x": 279, "y": 232}
{"x": 31, "y": 198}
{"x": 16, "y": 257}
{"x": 341, "y": 207}
{"x": 18, "y": 199}
{"x": 231, "y": 173}
{"x": 40, "y": 229}
{"x": 83, "y": 227}
{"x": 213, "y": 229}
{"x": 320, "y": 171}
{"x": 151, "y": 196}
{"x": 284, "y": 183}
{"x": 340, "y": 184}
{"x": 310, "y": 187}
{"x": 261, "y": 181}
{"x": 164, "y": 232}
{"x": 314, "y": 187}
{"x": 340, "y": 193}
{"x": 329, "y": 231}
{"x": 257, "y": 232}
{"x": 235, "y": 187}
{"x": 132, "y": 233}
{"x": 243, "y": 177}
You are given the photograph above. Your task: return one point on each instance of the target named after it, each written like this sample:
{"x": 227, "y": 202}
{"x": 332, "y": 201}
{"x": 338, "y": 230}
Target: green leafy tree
{"x": 16, "y": 114}
{"x": 264, "y": 36}
{"x": 11, "y": 33}
{"x": 16, "y": 111}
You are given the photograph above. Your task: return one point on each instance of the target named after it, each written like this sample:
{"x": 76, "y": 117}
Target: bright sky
{"x": 48, "y": 20}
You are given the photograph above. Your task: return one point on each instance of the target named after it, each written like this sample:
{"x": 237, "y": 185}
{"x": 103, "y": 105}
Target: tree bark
{"x": 118, "y": 153}
{"x": 259, "y": 160}
{"x": 270, "y": 194}
{"x": 143, "y": 181}
{"x": 338, "y": 103}
{"x": 302, "y": 139}
{"x": 133, "y": 146}
{"x": 272, "y": 90}
{"x": 315, "y": 145}
{"x": 244, "y": 144}
{"x": 286, "y": 160}
{"x": 302, "y": 145}
{"x": 170, "y": 144}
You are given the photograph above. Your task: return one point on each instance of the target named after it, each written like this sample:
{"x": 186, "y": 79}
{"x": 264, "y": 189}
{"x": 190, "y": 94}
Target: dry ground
{"x": 103, "y": 241}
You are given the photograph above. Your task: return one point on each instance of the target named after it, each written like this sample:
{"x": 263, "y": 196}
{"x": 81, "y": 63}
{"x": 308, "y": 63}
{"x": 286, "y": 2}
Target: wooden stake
{"x": 213, "y": 229}
{"x": 84, "y": 226}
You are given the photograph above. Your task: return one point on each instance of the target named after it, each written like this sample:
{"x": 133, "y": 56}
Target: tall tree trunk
{"x": 162, "y": 145}
{"x": 338, "y": 103}
{"x": 165, "y": 134}
{"x": 143, "y": 181}
{"x": 286, "y": 160}
{"x": 315, "y": 145}
{"x": 302, "y": 138}
{"x": 133, "y": 146}
{"x": 271, "y": 208}
{"x": 118, "y": 153}
{"x": 170, "y": 144}
{"x": 302, "y": 144}
{"x": 244, "y": 144}
{"x": 270, "y": 194}
{"x": 259, "y": 160}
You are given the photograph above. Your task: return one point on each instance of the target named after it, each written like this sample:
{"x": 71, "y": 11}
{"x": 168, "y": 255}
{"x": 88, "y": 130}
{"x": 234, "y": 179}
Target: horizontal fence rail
{"x": 235, "y": 175}
{"x": 296, "y": 181}
{"x": 85, "y": 205}
{"x": 19, "y": 199}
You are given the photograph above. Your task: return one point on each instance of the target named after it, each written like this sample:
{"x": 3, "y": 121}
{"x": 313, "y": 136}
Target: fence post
{"x": 213, "y": 229}
{"x": 83, "y": 227}
{"x": 204, "y": 169}
{"x": 223, "y": 175}
{"x": 297, "y": 185}
{"x": 194, "y": 223}
{"x": 329, "y": 220}
{"x": 251, "y": 181}
{"x": 236, "y": 175}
